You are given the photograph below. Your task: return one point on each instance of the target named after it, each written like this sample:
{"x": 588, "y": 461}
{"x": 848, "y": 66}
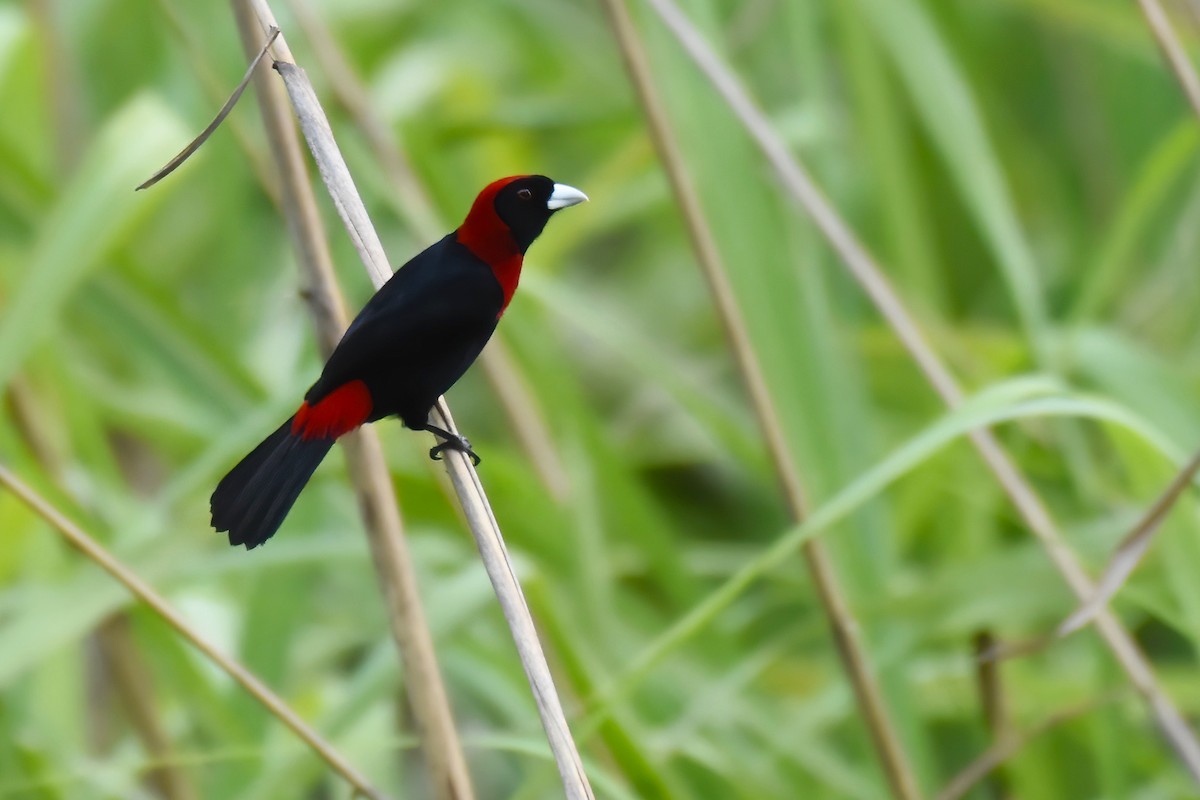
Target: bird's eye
{"x": 524, "y": 194}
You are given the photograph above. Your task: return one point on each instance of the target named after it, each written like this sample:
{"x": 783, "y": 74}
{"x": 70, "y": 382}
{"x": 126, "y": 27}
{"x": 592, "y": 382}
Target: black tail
{"x": 252, "y": 500}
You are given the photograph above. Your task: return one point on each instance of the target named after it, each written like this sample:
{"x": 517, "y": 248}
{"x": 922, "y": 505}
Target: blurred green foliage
{"x": 1024, "y": 169}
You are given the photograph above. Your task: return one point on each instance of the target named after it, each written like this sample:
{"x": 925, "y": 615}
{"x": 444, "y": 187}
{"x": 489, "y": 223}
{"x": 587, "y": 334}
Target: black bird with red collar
{"x": 411, "y": 342}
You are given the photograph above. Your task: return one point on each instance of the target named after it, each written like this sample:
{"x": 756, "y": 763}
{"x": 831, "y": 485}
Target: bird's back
{"x": 418, "y": 334}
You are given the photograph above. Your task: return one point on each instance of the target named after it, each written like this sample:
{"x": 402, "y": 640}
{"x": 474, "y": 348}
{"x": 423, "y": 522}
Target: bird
{"x": 408, "y": 345}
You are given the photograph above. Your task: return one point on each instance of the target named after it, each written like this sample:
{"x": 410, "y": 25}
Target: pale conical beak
{"x": 565, "y": 196}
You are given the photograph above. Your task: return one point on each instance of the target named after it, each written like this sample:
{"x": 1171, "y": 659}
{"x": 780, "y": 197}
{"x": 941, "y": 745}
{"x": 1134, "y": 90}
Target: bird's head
{"x": 518, "y": 207}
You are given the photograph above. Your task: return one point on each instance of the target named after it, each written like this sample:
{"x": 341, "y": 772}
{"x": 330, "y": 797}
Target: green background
{"x": 1025, "y": 172}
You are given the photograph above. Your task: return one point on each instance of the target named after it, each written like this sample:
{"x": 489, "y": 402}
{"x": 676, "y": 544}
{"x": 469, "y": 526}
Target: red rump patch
{"x": 486, "y": 235}
{"x": 340, "y": 411}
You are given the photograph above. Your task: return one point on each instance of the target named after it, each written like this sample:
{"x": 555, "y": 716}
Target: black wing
{"x": 418, "y": 334}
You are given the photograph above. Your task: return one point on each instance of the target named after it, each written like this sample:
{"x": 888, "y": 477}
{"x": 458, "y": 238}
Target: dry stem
{"x": 863, "y": 268}
{"x": 364, "y": 454}
{"x": 991, "y": 696}
{"x": 1130, "y": 551}
{"x": 1008, "y": 745}
{"x": 477, "y": 510}
{"x": 247, "y": 680}
{"x": 1173, "y": 51}
{"x": 131, "y": 682}
{"x": 899, "y": 772}
{"x": 520, "y": 405}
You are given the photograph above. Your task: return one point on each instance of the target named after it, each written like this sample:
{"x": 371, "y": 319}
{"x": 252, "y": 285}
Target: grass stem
{"x": 889, "y": 749}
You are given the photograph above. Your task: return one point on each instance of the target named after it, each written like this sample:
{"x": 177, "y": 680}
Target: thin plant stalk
{"x": 1130, "y": 551}
{"x": 520, "y": 405}
{"x": 1011, "y": 743}
{"x": 899, "y": 772}
{"x": 94, "y": 551}
{"x": 202, "y": 137}
{"x": 122, "y": 668}
{"x": 854, "y": 256}
{"x": 60, "y": 71}
{"x": 473, "y": 499}
{"x": 1173, "y": 51}
{"x": 117, "y": 660}
{"x": 131, "y": 681}
{"x": 995, "y": 710}
{"x": 415, "y": 203}
{"x": 214, "y": 87}
{"x": 364, "y": 455}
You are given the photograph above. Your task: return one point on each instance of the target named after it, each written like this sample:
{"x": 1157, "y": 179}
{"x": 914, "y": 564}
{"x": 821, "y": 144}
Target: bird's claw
{"x": 458, "y": 443}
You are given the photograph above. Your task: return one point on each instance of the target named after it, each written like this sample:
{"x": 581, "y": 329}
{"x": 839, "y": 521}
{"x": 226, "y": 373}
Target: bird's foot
{"x": 452, "y": 441}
